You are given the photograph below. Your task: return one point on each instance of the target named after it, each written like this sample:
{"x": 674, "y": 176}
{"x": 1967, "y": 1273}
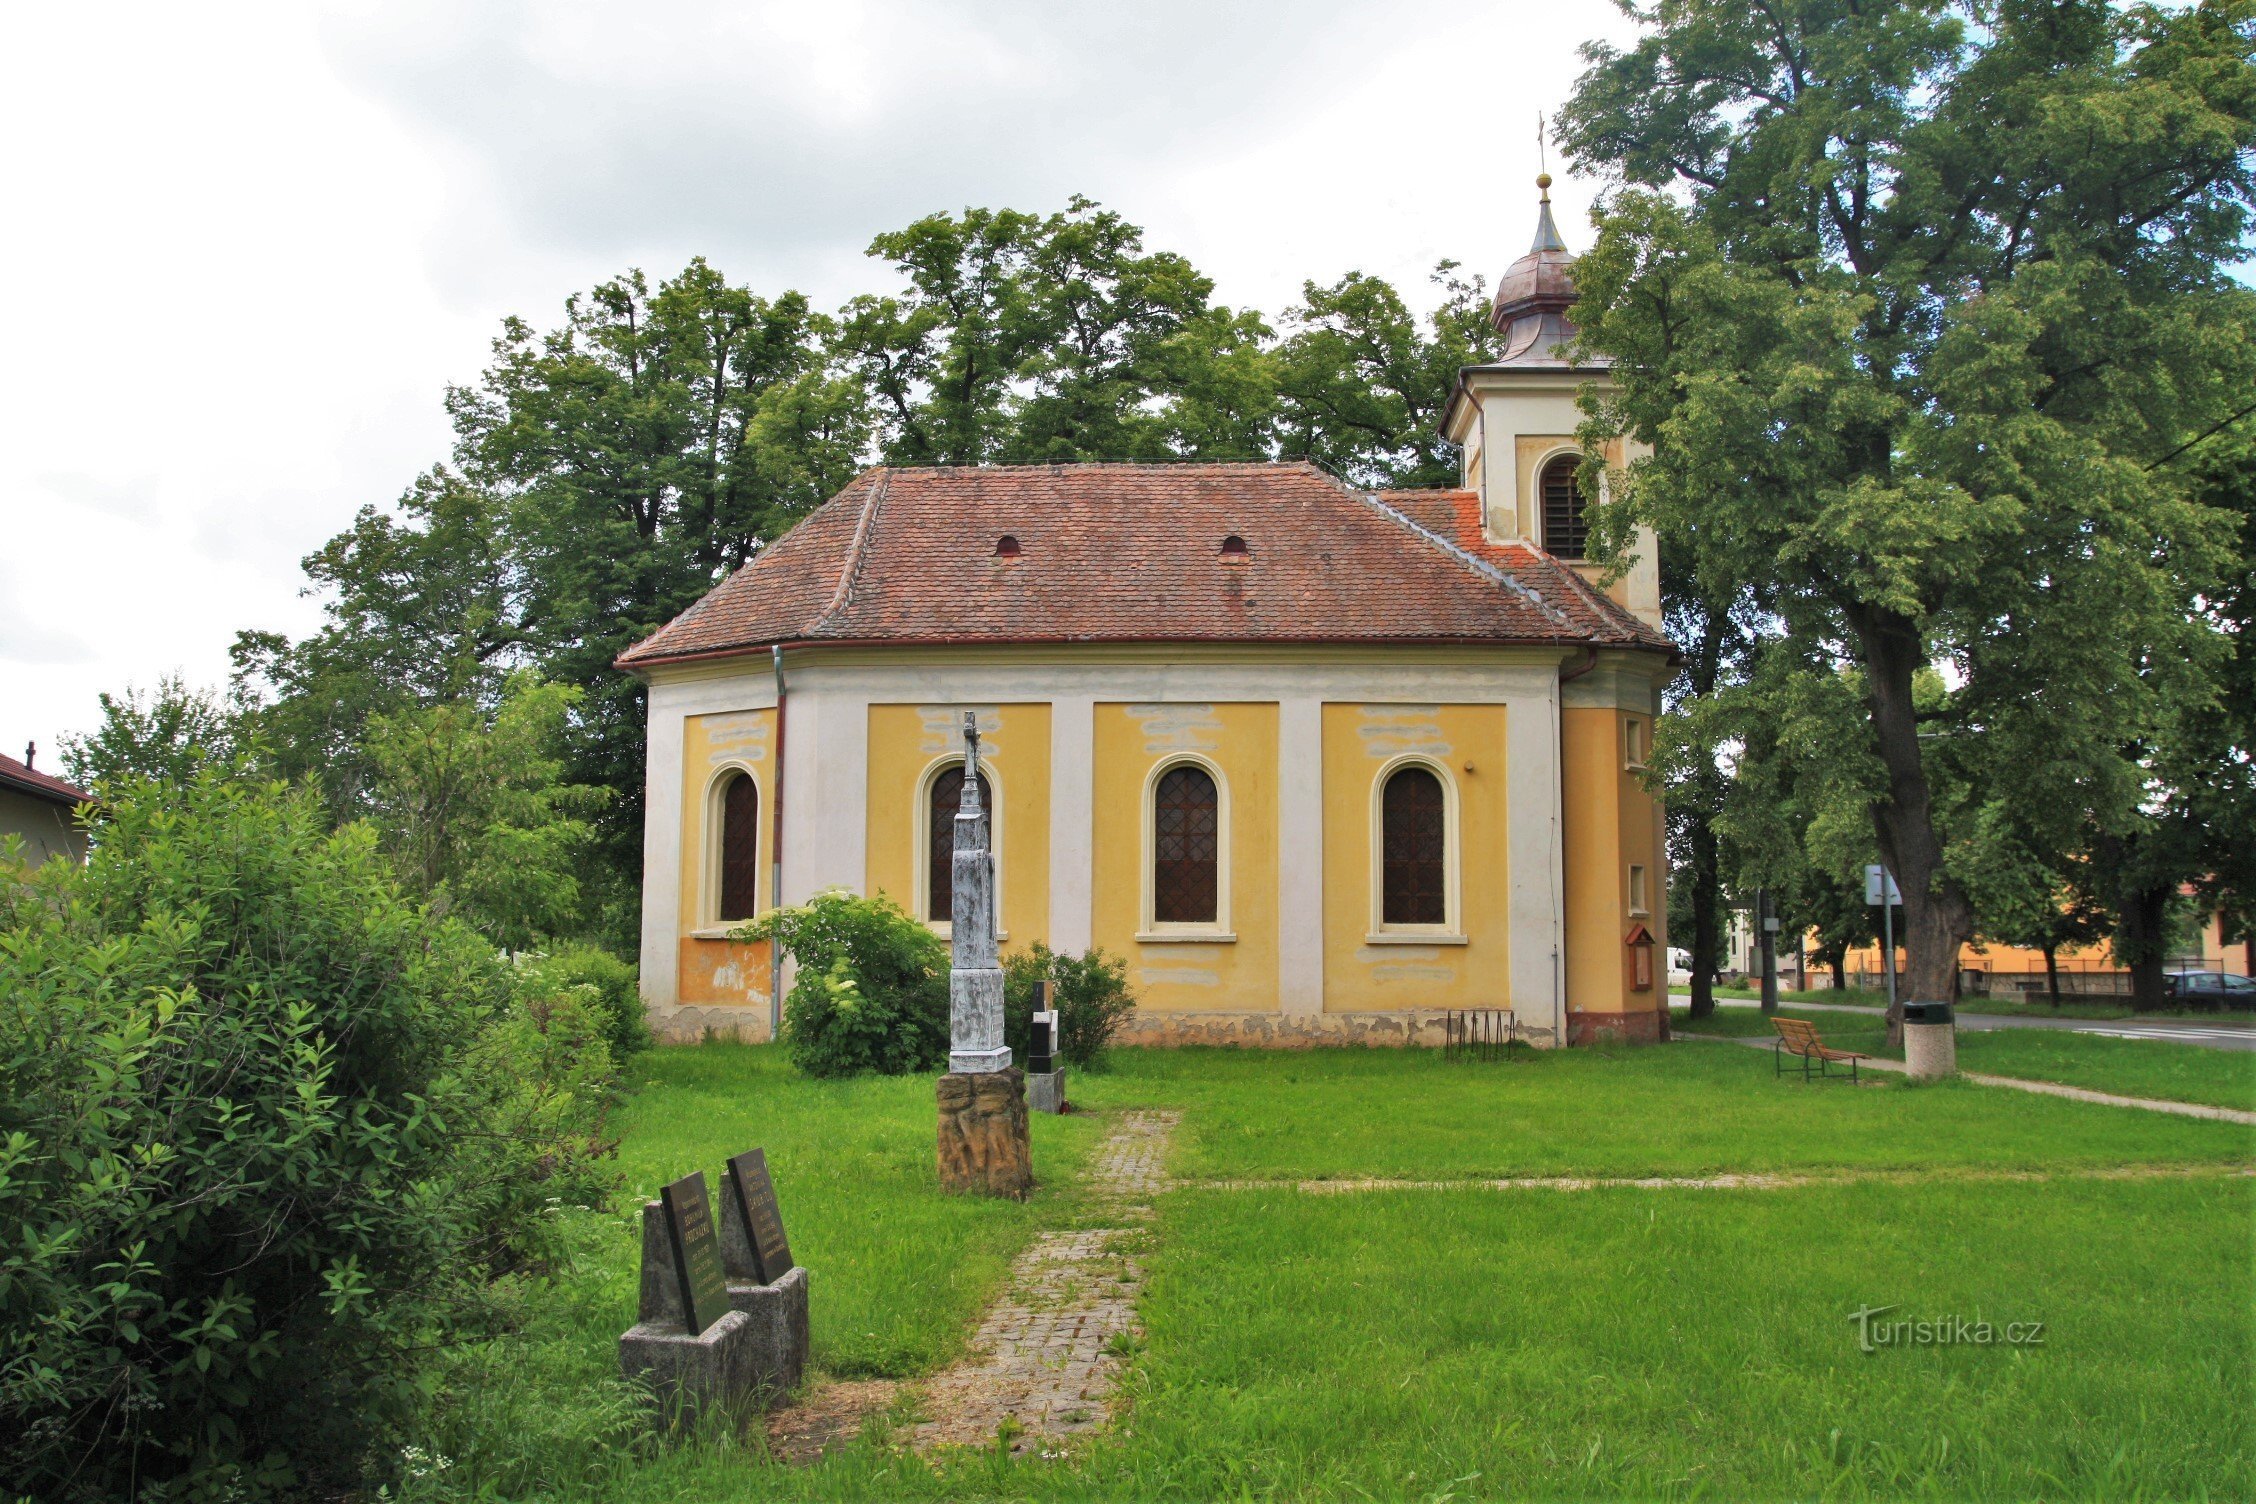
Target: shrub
{"x": 872, "y": 986}
{"x": 266, "y": 1128}
{"x": 603, "y": 982}
{"x": 1090, "y": 992}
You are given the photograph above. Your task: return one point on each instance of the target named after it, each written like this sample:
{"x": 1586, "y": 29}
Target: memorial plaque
{"x": 763, "y": 1222}
{"x": 1038, "y": 1050}
{"x": 697, "y": 1252}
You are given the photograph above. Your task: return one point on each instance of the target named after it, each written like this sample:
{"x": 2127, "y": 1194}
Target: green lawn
{"x": 1461, "y": 1343}
{"x": 2129, "y": 1067}
{"x": 2103, "y": 1062}
{"x": 2037, "y": 1006}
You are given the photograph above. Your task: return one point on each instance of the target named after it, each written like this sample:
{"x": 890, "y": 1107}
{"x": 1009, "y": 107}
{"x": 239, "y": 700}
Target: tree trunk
{"x": 1837, "y": 957}
{"x": 1938, "y": 919}
{"x": 2052, "y": 972}
{"x": 1707, "y": 897}
{"x": 2140, "y": 942}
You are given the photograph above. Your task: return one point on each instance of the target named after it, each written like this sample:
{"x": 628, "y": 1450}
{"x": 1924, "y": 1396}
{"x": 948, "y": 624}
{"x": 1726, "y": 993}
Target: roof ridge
{"x": 1466, "y": 557}
{"x": 857, "y": 553}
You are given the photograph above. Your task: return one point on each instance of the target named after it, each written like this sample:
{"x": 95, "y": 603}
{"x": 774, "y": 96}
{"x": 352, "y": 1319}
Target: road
{"x": 2219, "y": 1034}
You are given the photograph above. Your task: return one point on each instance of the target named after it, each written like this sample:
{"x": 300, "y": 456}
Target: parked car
{"x": 2210, "y": 989}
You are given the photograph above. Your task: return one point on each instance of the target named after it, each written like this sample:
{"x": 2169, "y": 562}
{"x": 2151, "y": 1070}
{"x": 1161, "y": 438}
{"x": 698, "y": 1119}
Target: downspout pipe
{"x": 775, "y": 858}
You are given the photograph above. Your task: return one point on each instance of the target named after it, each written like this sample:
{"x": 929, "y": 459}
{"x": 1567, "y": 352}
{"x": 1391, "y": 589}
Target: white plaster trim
{"x": 1185, "y": 935}
{"x": 1300, "y": 856}
{"x": 1452, "y": 927}
{"x": 1534, "y": 857}
{"x": 1408, "y": 935}
{"x": 1073, "y": 813}
{"x": 920, "y": 832}
{"x": 661, "y": 852}
{"x": 1219, "y": 928}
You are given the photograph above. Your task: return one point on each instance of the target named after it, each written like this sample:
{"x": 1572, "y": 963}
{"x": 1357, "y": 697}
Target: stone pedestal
{"x": 777, "y": 1317}
{"x": 751, "y": 1358}
{"x": 1045, "y": 1090}
{"x": 691, "y": 1376}
{"x": 1930, "y": 1051}
{"x": 983, "y": 1142}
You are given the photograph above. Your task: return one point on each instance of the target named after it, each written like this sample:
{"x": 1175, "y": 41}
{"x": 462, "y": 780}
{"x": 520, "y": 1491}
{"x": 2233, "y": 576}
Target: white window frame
{"x": 1451, "y": 931}
{"x": 920, "y": 816}
{"x": 1150, "y": 931}
{"x": 710, "y": 925}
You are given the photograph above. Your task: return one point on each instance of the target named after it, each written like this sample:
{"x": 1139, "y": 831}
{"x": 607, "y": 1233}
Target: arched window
{"x": 1414, "y": 843}
{"x": 1186, "y": 847}
{"x": 740, "y": 847}
{"x": 940, "y": 839}
{"x": 1565, "y": 531}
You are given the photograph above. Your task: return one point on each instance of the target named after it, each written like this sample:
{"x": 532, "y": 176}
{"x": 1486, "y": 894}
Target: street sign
{"x": 1874, "y": 876}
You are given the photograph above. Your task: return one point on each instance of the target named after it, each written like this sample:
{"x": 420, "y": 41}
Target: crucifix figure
{"x": 975, "y": 976}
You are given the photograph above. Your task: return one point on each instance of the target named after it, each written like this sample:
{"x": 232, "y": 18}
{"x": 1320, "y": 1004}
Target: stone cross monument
{"x": 975, "y": 976}
{"x": 982, "y": 1099}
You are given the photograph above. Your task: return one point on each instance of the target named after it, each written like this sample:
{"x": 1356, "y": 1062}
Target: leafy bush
{"x": 1090, "y": 992}
{"x": 603, "y": 982}
{"x": 872, "y": 986}
{"x": 266, "y": 1130}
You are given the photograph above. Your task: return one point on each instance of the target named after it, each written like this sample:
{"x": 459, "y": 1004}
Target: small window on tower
{"x": 1565, "y": 533}
{"x": 1637, "y": 897}
{"x": 1633, "y": 743}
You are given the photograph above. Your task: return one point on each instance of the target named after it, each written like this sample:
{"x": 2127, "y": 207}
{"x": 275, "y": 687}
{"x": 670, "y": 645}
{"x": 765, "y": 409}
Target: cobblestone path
{"x": 1045, "y": 1358}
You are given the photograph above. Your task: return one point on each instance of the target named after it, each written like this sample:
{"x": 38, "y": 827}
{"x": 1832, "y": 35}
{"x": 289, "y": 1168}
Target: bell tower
{"x": 1514, "y": 418}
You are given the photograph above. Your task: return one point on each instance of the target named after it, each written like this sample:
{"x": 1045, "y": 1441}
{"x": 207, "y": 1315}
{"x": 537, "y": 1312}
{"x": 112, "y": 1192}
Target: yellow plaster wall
{"x": 1610, "y": 822}
{"x": 905, "y": 741}
{"x": 1360, "y": 976}
{"x": 713, "y": 970}
{"x": 1241, "y": 739}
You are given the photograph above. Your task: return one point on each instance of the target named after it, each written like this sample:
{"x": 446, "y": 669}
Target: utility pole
{"x": 1766, "y": 924}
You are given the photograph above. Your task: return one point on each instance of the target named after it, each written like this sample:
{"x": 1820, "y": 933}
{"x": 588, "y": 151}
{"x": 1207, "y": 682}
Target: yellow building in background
{"x": 1321, "y": 764}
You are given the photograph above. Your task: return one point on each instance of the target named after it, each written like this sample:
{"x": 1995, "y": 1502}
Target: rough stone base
{"x": 696, "y": 1024}
{"x": 1614, "y": 1028}
{"x": 1407, "y": 1028}
{"x": 1930, "y": 1051}
{"x": 692, "y": 1375}
{"x": 983, "y": 1134}
{"x": 1045, "y": 1091}
{"x": 777, "y": 1317}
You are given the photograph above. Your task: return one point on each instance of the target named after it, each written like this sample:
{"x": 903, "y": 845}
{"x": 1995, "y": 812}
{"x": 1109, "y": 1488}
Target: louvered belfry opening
{"x": 1414, "y": 835}
{"x": 740, "y": 847}
{"x": 940, "y": 839}
{"x": 1186, "y": 846}
{"x": 1565, "y": 531}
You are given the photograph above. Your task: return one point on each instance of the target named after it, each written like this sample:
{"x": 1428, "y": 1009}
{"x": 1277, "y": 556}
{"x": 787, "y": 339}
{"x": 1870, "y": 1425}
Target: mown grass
{"x": 2161, "y": 1068}
{"x": 2037, "y": 1006}
{"x": 1678, "y": 1344}
{"x": 1456, "y": 1343}
{"x": 1685, "y": 1109}
{"x": 2108, "y": 1062}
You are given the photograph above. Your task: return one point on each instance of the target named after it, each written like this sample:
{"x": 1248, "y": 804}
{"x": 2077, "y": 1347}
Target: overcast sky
{"x": 250, "y": 245}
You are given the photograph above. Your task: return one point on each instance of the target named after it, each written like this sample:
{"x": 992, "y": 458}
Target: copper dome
{"x": 1533, "y": 296}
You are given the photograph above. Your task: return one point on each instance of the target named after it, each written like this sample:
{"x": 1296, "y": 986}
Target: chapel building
{"x": 1320, "y": 763}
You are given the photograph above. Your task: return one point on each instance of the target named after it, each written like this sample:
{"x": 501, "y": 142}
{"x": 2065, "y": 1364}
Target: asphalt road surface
{"x": 2218, "y": 1034}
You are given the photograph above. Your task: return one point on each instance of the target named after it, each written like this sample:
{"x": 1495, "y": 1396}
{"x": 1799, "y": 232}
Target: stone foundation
{"x": 1614, "y": 1028}
{"x": 1408, "y": 1028}
{"x": 1045, "y": 1091}
{"x": 693, "y": 1024}
{"x": 983, "y": 1134}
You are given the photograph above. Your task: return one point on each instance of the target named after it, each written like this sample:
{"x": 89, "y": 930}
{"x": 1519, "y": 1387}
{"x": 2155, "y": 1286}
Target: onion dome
{"x": 1533, "y": 296}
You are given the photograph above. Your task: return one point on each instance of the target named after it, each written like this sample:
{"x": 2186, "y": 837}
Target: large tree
{"x": 1912, "y": 375}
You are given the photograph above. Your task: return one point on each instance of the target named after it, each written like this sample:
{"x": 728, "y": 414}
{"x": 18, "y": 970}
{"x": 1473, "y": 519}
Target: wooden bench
{"x": 1798, "y": 1036}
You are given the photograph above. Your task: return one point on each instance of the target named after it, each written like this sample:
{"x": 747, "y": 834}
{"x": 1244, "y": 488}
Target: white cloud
{"x": 252, "y": 244}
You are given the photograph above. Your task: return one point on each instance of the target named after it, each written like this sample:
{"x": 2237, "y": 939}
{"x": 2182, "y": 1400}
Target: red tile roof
{"x": 14, "y": 775}
{"x": 1133, "y": 553}
{"x": 1456, "y": 516}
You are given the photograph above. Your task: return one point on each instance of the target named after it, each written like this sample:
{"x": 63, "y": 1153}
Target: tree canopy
{"x": 1922, "y": 385}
